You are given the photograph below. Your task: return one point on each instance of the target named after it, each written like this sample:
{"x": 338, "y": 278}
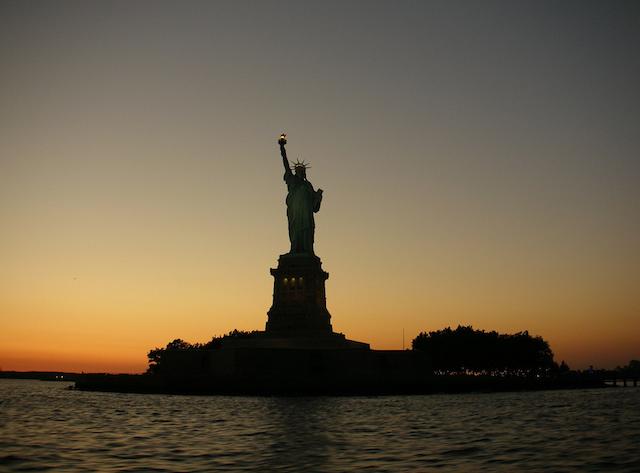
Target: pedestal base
{"x": 267, "y": 340}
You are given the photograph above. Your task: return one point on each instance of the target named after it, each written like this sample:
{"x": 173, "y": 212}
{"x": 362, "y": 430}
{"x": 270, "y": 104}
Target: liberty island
{"x": 298, "y": 352}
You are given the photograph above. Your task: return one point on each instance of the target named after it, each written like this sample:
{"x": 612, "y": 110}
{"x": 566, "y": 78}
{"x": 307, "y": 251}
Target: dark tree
{"x": 466, "y": 350}
{"x": 632, "y": 369}
{"x": 157, "y": 355}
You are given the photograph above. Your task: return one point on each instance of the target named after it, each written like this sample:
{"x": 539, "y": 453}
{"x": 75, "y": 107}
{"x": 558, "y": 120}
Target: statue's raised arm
{"x": 285, "y": 162}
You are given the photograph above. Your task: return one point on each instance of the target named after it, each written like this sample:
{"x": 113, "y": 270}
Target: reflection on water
{"x": 43, "y": 426}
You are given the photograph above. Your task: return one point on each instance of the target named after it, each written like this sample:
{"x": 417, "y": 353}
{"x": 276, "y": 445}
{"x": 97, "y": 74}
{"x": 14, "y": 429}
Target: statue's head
{"x": 300, "y": 168}
{"x": 300, "y": 171}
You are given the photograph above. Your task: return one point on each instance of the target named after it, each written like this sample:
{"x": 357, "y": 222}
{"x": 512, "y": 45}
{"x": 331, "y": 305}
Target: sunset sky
{"x": 480, "y": 164}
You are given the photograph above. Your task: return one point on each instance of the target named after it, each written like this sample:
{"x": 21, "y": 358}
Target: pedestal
{"x": 299, "y": 302}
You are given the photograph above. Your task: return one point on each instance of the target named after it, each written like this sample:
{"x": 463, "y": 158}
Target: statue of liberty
{"x": 302, "y": 202}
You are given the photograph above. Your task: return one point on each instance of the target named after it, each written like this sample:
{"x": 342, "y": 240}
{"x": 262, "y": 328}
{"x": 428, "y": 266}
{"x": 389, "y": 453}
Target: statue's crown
{"x": 300, "y": 164}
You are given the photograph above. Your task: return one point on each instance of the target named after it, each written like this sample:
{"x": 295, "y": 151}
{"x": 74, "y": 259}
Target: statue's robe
{"x": 302, "y": 202}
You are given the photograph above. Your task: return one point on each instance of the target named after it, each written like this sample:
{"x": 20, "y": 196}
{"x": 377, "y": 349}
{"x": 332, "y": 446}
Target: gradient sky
{"x": 480, "y": 162}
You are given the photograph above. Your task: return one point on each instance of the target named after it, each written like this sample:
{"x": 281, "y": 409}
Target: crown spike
{"x": 300, "y": 164}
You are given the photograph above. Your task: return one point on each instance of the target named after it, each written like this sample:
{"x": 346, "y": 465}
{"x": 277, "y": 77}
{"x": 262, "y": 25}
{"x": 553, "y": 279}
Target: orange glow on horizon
{"x": 466, "y": 182}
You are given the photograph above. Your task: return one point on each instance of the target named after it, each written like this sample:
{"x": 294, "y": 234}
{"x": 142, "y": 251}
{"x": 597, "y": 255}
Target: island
{"x": 298, "y": 353}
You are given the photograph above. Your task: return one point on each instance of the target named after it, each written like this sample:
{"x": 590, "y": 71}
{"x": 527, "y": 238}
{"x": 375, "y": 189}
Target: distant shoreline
{"x": 438, "y": 384}
{"x": 442, "y": 384}
{"x": 41, "y": 375}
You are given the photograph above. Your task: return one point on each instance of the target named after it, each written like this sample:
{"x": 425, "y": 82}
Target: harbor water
{"x": 45, "y": 426}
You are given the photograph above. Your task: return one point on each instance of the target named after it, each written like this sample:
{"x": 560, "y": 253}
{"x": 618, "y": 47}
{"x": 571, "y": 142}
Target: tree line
{"x": 466, "y": 350}
{"x": 632, "y": 369}
{"x": 157, "y": 355}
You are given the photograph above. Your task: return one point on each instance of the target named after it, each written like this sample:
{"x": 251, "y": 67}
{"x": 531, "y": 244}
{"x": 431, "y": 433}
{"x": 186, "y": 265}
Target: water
{"x": 43, "y": 426}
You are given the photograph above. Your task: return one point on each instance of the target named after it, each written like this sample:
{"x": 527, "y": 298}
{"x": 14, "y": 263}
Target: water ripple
{"x": 46, "y": 427}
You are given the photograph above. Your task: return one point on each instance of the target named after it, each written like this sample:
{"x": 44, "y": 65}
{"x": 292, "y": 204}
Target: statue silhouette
{"x": 302, "y": 202}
